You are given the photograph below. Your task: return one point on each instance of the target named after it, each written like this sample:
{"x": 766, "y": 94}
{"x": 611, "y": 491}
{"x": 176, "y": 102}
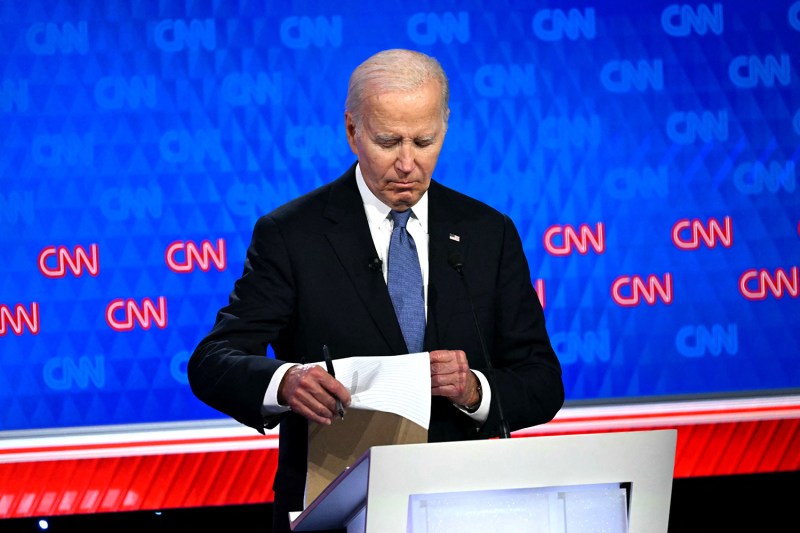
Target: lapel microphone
{"x": 375, "y": 264}
{"x": 454, "y": 260}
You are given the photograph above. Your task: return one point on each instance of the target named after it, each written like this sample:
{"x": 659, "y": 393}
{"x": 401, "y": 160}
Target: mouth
{"x": 407, "y": 184}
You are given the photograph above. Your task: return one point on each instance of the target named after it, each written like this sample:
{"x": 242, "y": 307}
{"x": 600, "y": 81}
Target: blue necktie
{"x": 405, "y": 283}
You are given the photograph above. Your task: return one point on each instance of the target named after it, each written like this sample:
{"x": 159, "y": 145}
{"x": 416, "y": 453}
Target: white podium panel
{"x": 570, "y": 509}
{"x": 378, "y": 493}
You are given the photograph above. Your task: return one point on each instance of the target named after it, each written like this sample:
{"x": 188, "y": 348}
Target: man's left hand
{"x": 452, "y": 378}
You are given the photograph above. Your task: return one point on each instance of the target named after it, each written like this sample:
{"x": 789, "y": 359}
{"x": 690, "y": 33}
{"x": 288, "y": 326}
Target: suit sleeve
{"x": 229, "y": 369}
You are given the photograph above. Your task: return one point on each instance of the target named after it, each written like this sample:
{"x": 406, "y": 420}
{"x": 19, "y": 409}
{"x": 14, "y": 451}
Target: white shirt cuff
{"x": 270, "y": 406}
{"x": 482, "y": 413}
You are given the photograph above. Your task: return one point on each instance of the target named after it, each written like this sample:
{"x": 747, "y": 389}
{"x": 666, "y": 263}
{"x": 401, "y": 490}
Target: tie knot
{"x": 400, "y": 218}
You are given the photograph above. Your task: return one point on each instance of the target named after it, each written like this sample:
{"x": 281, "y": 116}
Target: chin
{"x": 404, "y": 200}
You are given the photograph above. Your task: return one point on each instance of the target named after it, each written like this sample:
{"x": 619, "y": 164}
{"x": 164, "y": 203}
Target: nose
{"x": 405, "y": 158}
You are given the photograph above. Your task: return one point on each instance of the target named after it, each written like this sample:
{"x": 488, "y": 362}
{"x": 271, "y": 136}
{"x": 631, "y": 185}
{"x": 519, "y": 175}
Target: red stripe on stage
{"x": 766, "y": 411}
{"x": 128, "y": 444}
{"x": 136, "y": 483}
{"x": 750, "y": 447}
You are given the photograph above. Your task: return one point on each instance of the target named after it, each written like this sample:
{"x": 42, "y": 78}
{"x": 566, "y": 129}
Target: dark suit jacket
{"x": 307, "y": 281}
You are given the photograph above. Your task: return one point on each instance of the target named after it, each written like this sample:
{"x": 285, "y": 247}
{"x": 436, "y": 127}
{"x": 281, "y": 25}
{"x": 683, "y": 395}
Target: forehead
{"x": 408, "y": 112}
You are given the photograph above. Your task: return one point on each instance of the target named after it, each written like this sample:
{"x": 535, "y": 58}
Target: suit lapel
{"x": 446, "y": 239}
{"x": 352, "y": 243}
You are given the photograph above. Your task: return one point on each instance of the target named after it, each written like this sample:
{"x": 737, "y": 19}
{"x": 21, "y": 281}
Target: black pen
{"x": 329, "y": 364}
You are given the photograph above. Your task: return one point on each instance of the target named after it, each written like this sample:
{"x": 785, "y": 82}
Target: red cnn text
{"x": 579, "y": 240}
{"x": 757, "y": 284}
{"x": 19, "y": 319}
{"x": 183, "y": 256}
{"x": 75, "y": 262}
{"x": 124, "y": 314}
{"x": 688, "y": 234}
{"x": 629, "y": 291}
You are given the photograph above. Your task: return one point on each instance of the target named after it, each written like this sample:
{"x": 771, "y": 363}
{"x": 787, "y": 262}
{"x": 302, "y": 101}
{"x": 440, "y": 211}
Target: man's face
{"x": 398, "y": 144}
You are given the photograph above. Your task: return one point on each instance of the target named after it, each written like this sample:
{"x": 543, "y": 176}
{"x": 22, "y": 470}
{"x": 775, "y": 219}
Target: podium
{"x": 621, "y": 478}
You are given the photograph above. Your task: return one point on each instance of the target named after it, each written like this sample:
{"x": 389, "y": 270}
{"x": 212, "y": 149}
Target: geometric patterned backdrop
{"x": 647, "y": 151}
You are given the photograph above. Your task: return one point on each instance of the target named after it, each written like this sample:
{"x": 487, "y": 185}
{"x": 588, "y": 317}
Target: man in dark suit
{"x": 316, "y": 274}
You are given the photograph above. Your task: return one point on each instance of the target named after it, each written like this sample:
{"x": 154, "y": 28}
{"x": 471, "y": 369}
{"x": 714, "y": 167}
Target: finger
{"x": 334, "y": 388}
{"x": 451, "y": 393}
{"x": 441, "y": 356}
{"x": 456, "y": 381}
{"x": 337, "y": 390}
{"x": 311, "y": 392}
{"x": 442, "y": 362}
{"x": 454, "y": 386}
{"x": 444, "y": 380}
{"x": 447, "y": 391}
{"x": 456, "y": 370}
{"x": 312, "y": 415}
{"x": 308, "y": 405}
{"x": 327, "y": 394}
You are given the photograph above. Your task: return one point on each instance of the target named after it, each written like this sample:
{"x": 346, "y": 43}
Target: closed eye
{"x": 387, "y": 142}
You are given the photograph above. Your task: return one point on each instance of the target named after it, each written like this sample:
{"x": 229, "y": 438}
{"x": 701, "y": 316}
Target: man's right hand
{"x": 310, "y": 391}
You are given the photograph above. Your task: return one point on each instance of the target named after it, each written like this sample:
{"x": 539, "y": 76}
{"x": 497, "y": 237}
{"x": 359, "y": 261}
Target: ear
{"x": 350, "y": 130}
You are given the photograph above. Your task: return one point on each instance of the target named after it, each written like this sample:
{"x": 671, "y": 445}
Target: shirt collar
{"x": 377, "y": 211}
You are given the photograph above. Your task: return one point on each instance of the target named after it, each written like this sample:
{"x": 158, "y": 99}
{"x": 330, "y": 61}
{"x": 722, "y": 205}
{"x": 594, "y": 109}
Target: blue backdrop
{"x": 646, "y": 150}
